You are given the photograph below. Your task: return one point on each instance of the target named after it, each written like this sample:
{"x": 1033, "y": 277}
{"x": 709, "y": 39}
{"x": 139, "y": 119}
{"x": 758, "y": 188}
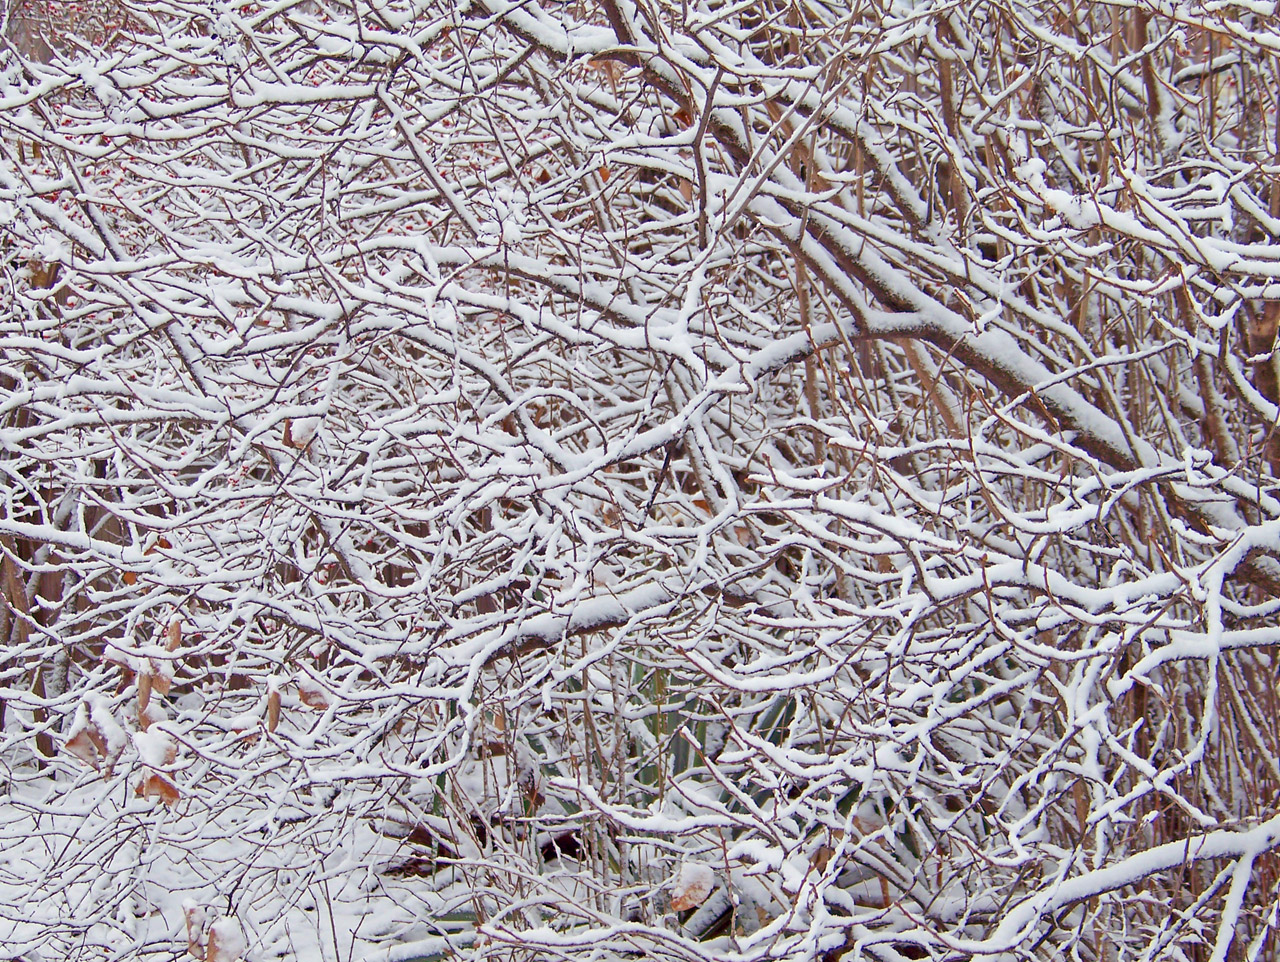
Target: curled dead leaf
{"x": 196, "y": 919}
{"x": 312, "y": 695}
{"x": 820, "y": 858}
{"x": 144, "y": 691}
{"x": 150, "y": 715}
{"x": 161, "y": 677}
{"x": 225, "y": 941}
{"x": 84, "y": 747}
{"x": 273, "y": 709}
{"x": 95, "y": 737}
{"x": 692, "y": 886}
{"x": 158, "y": 785}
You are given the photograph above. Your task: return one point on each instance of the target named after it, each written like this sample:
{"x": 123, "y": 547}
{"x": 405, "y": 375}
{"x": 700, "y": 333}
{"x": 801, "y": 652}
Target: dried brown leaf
{"x": 158, "y": 785}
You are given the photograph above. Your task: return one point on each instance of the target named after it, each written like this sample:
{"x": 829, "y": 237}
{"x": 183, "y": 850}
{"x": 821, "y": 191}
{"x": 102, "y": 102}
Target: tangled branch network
{"x": 781, "y": 480}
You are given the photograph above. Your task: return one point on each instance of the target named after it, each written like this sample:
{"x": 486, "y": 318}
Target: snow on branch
{"x": 693, "y": 480}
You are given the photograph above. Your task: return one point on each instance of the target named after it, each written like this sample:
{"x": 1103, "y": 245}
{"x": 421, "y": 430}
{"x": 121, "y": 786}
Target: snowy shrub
{"x": 672, "y": 480}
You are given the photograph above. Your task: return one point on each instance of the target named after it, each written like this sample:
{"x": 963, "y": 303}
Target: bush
{"x": 744, "y": 481}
